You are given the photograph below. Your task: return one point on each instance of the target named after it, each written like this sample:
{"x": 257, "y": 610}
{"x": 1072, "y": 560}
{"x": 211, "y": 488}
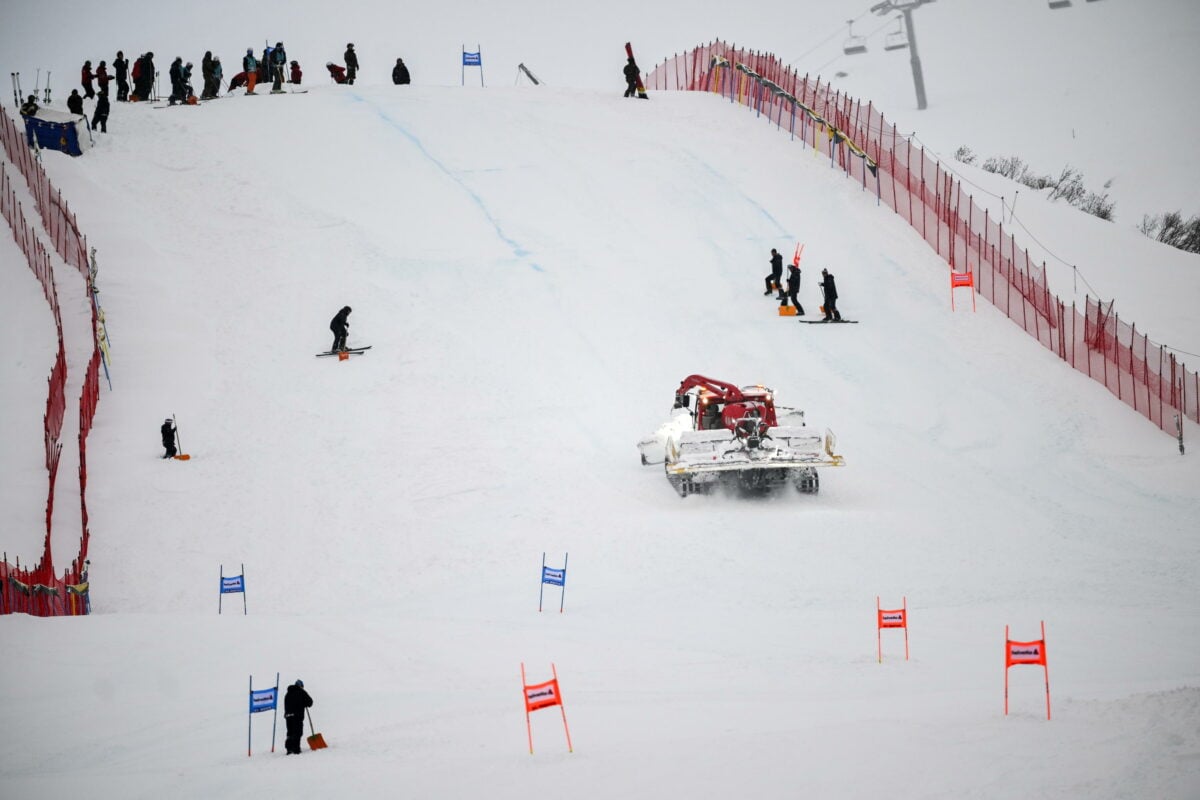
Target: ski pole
{"x": 178, "y": 438}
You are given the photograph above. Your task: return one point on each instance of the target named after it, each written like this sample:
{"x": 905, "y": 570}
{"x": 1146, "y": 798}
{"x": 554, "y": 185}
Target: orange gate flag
{"x": 1026, "y": 653}
{"x": 890, "y": 618}
{"x": 543, "y": 695}
{"x": 962, "y": 280}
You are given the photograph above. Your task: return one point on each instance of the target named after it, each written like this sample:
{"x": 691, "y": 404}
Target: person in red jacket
{"x": 85, "y": 78}
{"x": 237, "y": 81}
{"x": 336, "y": 72}
{"x": 296, "y": 73}
{"x": 102, "y": 77}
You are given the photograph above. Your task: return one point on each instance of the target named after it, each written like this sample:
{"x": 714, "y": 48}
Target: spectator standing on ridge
{"x": 85, "y": 78}
{"x": 776, "y": 274}
{"x": 829, "y": 290}
{"x": 100, "y": 115}
{"x": 631, "y": 78}
{"x": 295, "y": 701}
{"x": 218, "y": 74}
{"x": 175, "y": 72}
{"x": 279, "y": 61}
{"x": 30, "y": 107}
{"x": 102, "y": 77}
{"x": 337, "y": 73}
{"x": 121, "y": 67}
{"x": 340, "y": 326}
{"x": 400, "y": 74}
{"x": 250, "y": 67}
{"x": 168, "y": 437}
{"x": 75, "y": 103}
{"x": 143, "y": 78}
{"x": 206, "y": 75}
{"x": 296, "y": 75}
{"x": 351, "y": 59}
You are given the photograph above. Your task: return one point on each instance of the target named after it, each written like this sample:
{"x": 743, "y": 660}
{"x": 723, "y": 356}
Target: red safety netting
{"x": 858, "y": 139}
{"x": 37, "y": 589}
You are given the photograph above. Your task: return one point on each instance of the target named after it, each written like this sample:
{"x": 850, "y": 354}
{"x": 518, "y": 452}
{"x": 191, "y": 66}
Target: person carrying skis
{"x": 296, "y": 75}
{"x": 295, "y": 701}
{"x": 631, "y": 72}
{"x": 829, "y": 291}
{"x": 250, "y": 67}
{"x": 279, "y": 61}
{"x": 351, "y": 59}
{"x": 793, "y": 288}
{"x": 337, "y": 73}
{"x": 30, "y": 107}
{"x": 121, "y": 67}
{"x": 400, "y": 74}
{"x": 168, "y": 437}
{"x": 340, "y": 326}
{"x": 773, "y": 279}
{"x": 85, "y": 78}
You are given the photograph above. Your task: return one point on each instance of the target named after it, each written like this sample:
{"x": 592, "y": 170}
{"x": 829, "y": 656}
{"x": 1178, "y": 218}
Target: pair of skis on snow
{"x": 354, "y": 351}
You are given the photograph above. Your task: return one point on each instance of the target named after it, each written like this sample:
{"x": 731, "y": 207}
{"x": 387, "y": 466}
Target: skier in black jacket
{"x": 793, "y": 288}
{"x": 773, "y": 280}
{"x": 829, "y": 290}
{"x": 294, "y": 703}
{"x": 75, "y": 102}
{"x": 341, "y": 329}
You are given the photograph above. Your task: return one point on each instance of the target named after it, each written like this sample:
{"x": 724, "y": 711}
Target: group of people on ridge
{"x": 827, "y": 284}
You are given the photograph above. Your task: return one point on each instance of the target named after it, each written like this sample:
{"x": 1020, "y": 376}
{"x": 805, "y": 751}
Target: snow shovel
{"x": 316, "y": 741}
{"x": 179, "y": 441}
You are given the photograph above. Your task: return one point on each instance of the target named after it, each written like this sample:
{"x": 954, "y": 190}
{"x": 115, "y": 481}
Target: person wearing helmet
{"x": 250, "y": 67}
{"x": 337, "y": 73}
{"x": 294, "y": 703}
{"x": 279, "y": 61}
{"x": 168, "y": 437}
{"x": 351, "y": 63}
{"x": 340, "y": 326}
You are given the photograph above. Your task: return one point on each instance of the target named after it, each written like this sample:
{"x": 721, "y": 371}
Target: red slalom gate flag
{"x": 890, "y": 618}
{"x": 543, "y": 695}
{"x": 1034, "y": 653}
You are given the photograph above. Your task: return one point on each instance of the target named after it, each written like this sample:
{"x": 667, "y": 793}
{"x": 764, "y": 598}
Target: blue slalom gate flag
{"x": 232, "y": 584}
{"x": 262, "y": 700}
{"x": 554, "y": 577}
{"x": 472, "y": 60}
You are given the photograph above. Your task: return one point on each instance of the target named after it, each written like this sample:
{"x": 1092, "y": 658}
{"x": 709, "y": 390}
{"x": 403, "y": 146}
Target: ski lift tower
{"x": 906, "y": 7}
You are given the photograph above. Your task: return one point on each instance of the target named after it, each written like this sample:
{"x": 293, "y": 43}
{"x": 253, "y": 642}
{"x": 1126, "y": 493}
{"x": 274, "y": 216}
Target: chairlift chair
{"x": 854, "y": 44}
{"x": 897, "y": 39}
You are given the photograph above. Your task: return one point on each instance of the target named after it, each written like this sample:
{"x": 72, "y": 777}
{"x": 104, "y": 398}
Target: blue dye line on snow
{"x": 517, "y": 249}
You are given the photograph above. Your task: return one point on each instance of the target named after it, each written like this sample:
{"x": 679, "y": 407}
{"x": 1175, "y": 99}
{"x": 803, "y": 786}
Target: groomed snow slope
{"x": 537, "y": 269}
